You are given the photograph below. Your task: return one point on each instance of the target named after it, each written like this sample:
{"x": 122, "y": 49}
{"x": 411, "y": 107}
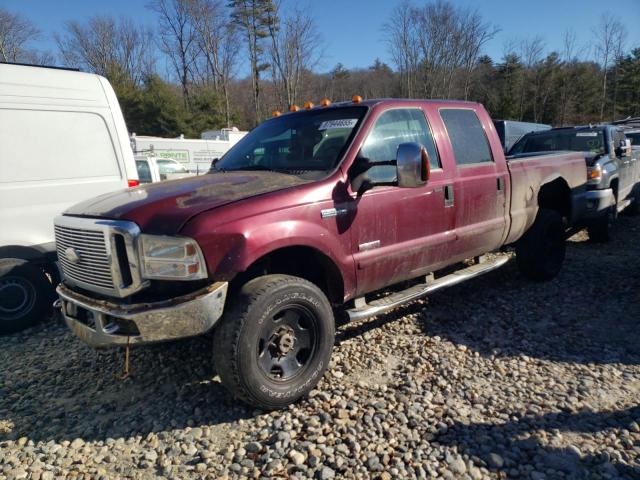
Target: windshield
{"x": 634, "y": 137}
{"x": 313, "y": 140}
{"x": 584, "y": 140}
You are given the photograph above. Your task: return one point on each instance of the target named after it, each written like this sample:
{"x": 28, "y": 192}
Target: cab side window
{"x": 391, "y": 129}
{"x": 470, "y": 144}
{"x": 144, "y": 172}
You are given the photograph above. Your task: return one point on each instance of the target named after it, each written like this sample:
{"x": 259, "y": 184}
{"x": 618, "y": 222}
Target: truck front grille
{"x": 93, "y": 266}
{"x": 99, "y": 255}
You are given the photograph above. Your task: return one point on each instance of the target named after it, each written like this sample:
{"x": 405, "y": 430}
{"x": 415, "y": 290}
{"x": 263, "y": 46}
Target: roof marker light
{"x": 356, "y": 99}
{"x": 294, "y": 108}
{"x": 308, "y": 105}
{"x": 325, "y": 102}
{"x": 276, "y": 113}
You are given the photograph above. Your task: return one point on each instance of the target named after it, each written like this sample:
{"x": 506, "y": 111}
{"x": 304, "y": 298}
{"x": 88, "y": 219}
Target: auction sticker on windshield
{"x": 344, "y": 123}
{"x": 587, "y": 134}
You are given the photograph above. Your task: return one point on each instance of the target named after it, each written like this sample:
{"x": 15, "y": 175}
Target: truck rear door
{"x": 479, "y": 189}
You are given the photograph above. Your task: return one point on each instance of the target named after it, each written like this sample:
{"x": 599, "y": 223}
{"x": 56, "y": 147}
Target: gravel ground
{"x": 496, "y": 378}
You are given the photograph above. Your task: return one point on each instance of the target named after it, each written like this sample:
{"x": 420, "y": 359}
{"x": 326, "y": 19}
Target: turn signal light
{"x": 594, "y": 174}
{"x": 294, "y": 108}
{"x": 356, "y": 99}
{"x": 133, "y": 183}
{"x": 308, "y": 105}
{"x": 276, "y": 113}
{"x": 325, "y": 102}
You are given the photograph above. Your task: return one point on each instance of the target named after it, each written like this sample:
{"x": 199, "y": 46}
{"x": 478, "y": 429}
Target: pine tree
{"x": 253, "y": 17}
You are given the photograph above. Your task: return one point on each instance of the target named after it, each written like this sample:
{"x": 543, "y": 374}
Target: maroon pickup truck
{"x": 349, "y": 209}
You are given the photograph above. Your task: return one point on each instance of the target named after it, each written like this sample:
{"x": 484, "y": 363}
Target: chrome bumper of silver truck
{"x": 598, "y": 202}
{"x": 102, "y": 323}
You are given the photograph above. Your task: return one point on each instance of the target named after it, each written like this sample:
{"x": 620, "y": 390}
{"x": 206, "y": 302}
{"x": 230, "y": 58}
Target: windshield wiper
{"x": 262, "y": 168}
{"x": 252, "y": 167}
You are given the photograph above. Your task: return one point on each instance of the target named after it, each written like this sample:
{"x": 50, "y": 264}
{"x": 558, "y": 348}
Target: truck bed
{"x": 529, "y": 173}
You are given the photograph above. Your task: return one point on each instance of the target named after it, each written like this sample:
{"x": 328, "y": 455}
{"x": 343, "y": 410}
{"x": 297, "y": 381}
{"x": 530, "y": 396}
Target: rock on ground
{"x": 496, "y": 378}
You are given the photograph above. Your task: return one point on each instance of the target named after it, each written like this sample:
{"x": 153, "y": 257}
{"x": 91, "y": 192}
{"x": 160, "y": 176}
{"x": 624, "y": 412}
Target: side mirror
{"x": 412, "y": 165}
{"x": 624, "y": 149}
{"x": 213, "y": 164}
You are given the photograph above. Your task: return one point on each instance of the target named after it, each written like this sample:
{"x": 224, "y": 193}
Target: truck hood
{"x": 163, "y": 208}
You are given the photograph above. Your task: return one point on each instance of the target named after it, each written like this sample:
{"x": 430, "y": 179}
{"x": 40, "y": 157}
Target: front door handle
{"x": 448, "y": 196}
{"x": 500, "y": 185}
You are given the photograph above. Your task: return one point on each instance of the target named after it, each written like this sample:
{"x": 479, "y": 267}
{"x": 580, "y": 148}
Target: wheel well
{"x": 614, "y": 187}
{"x": 556, "y": 195}
{"x": 36, "y": 254}
{"x": 303, "y": 262}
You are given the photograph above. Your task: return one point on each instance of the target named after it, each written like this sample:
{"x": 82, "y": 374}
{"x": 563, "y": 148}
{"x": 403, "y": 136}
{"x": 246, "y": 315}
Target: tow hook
{"x": 57, "y": 305}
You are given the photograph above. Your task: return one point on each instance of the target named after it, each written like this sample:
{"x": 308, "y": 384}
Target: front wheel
{"x": 599, "y": 230}
{"x": 541, "y": 251}
{"x": 25, "y": 295}
{"x": 274, "y": 344}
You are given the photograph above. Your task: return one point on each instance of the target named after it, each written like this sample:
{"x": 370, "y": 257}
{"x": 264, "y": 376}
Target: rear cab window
{"x": 393, "y": 127}
{"x": 468, "y": 139}
{"x": 572, "y": 139}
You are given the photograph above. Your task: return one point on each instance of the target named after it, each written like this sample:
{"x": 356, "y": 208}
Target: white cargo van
{"x": 62, "y": 140}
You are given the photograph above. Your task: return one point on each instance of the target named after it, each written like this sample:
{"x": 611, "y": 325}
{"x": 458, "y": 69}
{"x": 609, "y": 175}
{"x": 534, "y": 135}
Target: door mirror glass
{"x": 412, "y": 165}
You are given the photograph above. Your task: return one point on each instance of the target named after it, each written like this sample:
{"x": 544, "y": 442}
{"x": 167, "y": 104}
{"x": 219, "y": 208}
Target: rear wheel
{"x": 274, "y": 344}
{"x": 541, "y": 251}
{"x": 25, "y": 295}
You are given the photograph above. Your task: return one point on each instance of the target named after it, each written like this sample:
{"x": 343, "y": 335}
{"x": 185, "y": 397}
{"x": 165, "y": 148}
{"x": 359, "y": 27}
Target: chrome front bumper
{"x": 101, "y": 323}
{"x": 598, "y": 202}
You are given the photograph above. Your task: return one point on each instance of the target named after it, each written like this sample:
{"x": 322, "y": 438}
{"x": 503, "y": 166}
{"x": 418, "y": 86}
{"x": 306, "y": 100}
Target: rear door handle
{"x": 448, "y": 196}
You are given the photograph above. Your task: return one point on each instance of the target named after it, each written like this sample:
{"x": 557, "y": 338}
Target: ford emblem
{"x": 72, "y": 255}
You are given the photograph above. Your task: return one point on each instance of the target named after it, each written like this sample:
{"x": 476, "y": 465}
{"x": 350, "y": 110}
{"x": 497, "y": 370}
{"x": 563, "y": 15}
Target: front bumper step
{"x": 102, "y": 323}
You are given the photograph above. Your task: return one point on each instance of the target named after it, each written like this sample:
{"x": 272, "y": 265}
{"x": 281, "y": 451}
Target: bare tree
{"x": 177, "y": 39}
{"x": 531, "y": 51}
{"x": 610, "y": 35}
{"x": 218, "y": 39}
{"x": 432, "y": 44}
{"x": 568, "y": 58}
{"x": 475, "y": 34}
{"x": 114, "y": 49}
{"x": 400, "y": 36}
{"x": 295, "y": 46}
{"x": 15, "y": 34}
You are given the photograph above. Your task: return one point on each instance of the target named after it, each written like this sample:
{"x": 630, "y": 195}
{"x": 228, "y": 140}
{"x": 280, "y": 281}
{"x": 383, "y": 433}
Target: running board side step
{"x": 382, "y": 305}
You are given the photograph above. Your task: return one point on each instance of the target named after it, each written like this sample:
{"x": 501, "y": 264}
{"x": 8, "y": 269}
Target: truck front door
{"x": 400, "y": 233}
{"x": 626, "y": 164}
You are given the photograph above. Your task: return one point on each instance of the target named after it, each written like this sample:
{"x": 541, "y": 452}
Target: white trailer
{"x": 195, "y": 154}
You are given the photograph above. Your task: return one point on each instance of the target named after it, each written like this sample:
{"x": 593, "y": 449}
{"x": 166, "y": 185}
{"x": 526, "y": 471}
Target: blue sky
{"x": 351, "y": 29}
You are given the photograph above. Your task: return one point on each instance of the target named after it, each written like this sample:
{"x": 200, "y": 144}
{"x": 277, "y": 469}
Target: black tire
{"x": 599, "y": 230}
{"x": 25, "y": 295}
{"x": 541, "y": 251}
{"x": 254, "y": 352}
{"x": 634, "y": 208}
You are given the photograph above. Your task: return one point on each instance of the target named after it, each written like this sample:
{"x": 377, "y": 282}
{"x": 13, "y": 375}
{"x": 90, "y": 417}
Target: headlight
{"x": 594, "y": 174}
{"x": 171, "y": 258}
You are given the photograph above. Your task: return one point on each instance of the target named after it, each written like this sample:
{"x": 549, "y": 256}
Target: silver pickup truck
{"x": 613, "y": 169}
